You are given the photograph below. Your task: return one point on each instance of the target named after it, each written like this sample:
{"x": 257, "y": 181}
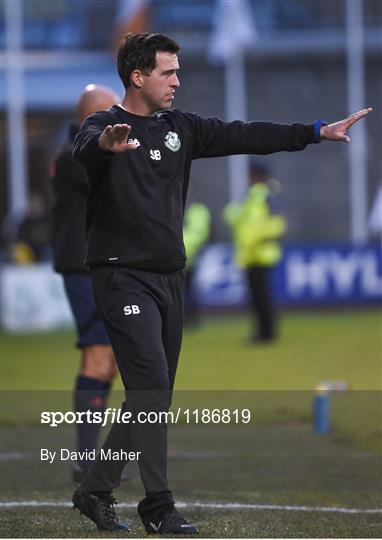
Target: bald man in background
{"x": 70, "y": 188}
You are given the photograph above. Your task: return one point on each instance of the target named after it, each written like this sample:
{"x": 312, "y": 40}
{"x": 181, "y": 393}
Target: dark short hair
{"x": 138, "y": 51}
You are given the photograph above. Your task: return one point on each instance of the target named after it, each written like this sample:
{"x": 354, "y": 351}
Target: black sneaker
{"x": 171, "y": 523}
{"x": 99, "y": 509}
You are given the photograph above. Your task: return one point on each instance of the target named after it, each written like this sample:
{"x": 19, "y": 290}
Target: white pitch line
{"x": 215, "y": 506}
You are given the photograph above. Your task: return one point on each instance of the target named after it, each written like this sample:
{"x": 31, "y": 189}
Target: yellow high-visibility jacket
{"x": 255, "y": 230}
{"x": 196, "y": 230}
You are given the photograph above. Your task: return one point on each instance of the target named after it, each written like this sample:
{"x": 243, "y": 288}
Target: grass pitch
{"x": 313, "y": 346}
{"x": 278, "y": 471}
{"x": 272, "y": 464}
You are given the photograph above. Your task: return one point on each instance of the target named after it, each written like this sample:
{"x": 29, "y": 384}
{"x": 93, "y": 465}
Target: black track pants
{"x": 263, "y": 309}
{"x": 143, "y": 315}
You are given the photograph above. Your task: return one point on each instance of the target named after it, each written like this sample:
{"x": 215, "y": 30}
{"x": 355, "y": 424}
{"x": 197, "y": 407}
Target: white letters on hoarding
{"x": 323, "y": 271}
{"x": 32, "y": 298}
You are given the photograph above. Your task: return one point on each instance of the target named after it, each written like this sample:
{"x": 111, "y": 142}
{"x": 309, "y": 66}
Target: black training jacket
{"x": 136, "y": 199}
{"x": 70, "y": 189}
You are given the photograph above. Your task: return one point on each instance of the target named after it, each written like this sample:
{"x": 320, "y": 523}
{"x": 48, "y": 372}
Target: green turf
{"x": 42, "y": 523}
{"x": 314, "y": 346}
{"x": 276, "y": 459}
{"x": 232, "y": 464}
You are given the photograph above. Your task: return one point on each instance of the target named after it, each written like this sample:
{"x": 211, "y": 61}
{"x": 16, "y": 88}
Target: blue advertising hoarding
{"x": 306, "y": 275}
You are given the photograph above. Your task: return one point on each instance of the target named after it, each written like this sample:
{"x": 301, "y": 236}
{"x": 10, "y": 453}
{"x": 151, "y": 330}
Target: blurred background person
{"x": 70, "y": 188}
{"x": 32, "y": 243}
{"x": 256, "y": 233}
{"x": 196, "y": 232}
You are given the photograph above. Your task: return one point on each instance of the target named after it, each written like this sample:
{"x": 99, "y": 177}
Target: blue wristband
{"x": 317, "y": 128}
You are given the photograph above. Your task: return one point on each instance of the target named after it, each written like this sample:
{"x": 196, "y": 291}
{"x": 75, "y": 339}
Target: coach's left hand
{"x": 337, "y": 131}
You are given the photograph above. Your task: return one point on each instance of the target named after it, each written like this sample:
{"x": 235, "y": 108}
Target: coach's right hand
{"x": 115, "y": 138}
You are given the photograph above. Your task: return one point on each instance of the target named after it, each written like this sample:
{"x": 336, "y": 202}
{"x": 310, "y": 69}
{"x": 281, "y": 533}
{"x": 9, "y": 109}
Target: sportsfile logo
{"x": 113, "y": 415}
{"x": 131, "y": 310}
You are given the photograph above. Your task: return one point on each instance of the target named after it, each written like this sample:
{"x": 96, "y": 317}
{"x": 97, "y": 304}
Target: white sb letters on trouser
{"x": 131, "y": 310}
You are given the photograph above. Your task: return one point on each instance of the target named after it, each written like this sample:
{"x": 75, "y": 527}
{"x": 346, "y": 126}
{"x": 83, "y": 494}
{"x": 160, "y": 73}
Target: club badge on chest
{"x": 172, "y": 141}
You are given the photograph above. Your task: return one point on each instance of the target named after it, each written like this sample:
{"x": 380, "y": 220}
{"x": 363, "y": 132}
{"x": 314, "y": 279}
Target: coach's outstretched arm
{"x": 214, "y": 138}
{"x": 337, "y": 131}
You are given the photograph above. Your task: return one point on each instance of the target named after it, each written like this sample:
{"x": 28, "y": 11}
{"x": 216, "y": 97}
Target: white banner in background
{"x": 32, "y": 298}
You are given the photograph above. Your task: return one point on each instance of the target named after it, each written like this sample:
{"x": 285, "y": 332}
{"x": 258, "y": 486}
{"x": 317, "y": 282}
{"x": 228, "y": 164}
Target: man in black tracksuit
{"x": 138, "y": 158}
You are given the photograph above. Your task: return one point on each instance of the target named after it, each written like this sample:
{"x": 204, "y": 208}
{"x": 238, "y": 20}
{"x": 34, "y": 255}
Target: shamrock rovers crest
{"x": 172, "y": 141}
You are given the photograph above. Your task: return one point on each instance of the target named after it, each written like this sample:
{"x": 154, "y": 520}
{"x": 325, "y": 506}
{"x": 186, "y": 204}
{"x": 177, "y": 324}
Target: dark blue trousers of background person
{"x": 89, "y": 393}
